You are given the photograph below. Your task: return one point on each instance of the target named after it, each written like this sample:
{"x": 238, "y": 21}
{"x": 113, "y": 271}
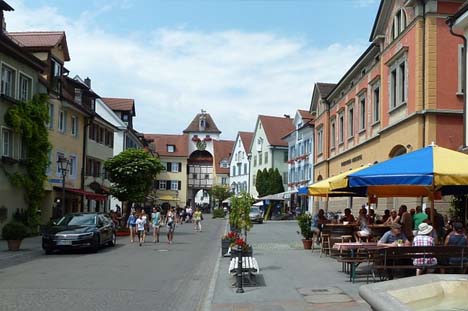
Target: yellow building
{"x": 67, "y": 122}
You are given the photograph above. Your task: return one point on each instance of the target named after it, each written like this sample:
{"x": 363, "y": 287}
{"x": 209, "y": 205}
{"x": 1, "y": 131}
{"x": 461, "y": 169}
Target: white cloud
{"x": 173, "y": 73}
{"x": 364, "y": 3}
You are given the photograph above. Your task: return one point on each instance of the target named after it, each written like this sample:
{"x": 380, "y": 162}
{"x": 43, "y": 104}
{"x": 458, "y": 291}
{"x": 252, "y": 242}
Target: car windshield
{"x": 77, "y": 220}
{"x": 255, "y": 210}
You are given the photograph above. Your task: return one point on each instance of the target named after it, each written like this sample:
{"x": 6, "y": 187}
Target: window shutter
{"x": 168, "y": 184}
{"x": 180, "y": 167}
{"x": 65, "y": 122}
{"x": 179, "y": 185}
{"x": 169, "y": 166}
{"x": 156, "y": 184}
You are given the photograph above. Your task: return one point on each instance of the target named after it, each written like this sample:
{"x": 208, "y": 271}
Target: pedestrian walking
{"x": 140, "y": 224}
{"x": 197, "y": 217}
{"x": 190, "y": 214}
{"x": 145, "y": 219}
{"x": 156, "y": 219}
{"x": 131, "y": 223}
{"x": 170, "y": 225}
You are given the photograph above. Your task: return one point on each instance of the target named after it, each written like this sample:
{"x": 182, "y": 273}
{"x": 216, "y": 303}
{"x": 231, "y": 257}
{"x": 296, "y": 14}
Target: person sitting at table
{"x": 394, "y": 218}
{"x": 385, "y": 216}
{"x": 419, "y": 217}
{"x": 393, "y": 236}
{"x": 364, "y": 231}
{"x": 318, "y": 222}
{"x": 406, "y": 222}
{"x": 424, "y": 238}
{"x": 348, "y": 217}
{"x": 371, "y": 216}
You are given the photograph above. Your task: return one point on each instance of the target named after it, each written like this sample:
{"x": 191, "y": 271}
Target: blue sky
{"x": 236, "y": 59}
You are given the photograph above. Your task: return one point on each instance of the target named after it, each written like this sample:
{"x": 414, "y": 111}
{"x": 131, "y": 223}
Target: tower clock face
{"x": 201, "y": 145}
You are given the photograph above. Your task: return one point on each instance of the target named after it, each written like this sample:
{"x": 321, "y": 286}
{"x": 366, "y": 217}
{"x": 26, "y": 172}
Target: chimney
{"x": 87, "y": 81}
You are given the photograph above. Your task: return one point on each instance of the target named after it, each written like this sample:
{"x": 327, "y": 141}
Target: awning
{"x": 325, "y": 188}
{"x": 287, "y": 194}
{"x": 87, "y": 195}
{"x": 303, "y": 191}
{"x": 260, "y": 203}
{"x": 273, "y": 197}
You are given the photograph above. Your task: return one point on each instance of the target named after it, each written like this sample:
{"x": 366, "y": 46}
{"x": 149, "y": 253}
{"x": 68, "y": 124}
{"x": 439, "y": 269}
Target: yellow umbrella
{"x": 324, "y": 188}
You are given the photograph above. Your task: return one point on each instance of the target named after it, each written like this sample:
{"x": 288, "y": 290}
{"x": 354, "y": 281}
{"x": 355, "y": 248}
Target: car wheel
{"x": 113, "y": 240}
{"x": 96, "y": 244}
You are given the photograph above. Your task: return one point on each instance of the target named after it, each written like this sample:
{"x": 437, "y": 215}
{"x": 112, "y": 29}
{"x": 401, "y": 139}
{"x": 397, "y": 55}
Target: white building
{"x": 119, "y": 112}
{"x": 239, "y": 173}
{"x": 301, "y": 160}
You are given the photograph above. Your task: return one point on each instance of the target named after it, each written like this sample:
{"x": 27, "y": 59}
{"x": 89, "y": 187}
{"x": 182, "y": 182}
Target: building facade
{"x": 300, "y": 159}
{"x": 240, "y": 165}
{"x": 400, "y": 95}
{"x": 19, "y": 77}
{"x": 268, "y": 149}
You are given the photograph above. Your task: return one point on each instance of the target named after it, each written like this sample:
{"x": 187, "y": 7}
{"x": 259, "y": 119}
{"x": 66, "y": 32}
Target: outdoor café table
{"x": 340, "y": 229}
{"x": 352, "y": 247}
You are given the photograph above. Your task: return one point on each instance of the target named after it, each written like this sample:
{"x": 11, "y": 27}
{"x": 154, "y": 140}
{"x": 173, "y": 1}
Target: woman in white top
{"x": 170, "y": 225}
{"x": 145, "y": 218}
{"x": 156, "y": 222}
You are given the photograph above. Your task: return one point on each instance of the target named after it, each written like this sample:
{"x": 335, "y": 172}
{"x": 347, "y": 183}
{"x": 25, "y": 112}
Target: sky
{"x": 235, "y": 59}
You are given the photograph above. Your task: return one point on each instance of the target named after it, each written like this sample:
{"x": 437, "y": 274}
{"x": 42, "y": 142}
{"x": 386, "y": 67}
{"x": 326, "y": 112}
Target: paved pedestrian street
{"x": 127, "y": 277}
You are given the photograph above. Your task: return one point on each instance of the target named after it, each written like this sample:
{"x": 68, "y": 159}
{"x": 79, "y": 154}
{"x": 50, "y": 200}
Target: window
{"x": 362, "y": 112}
{"x": 285, "y": 156}
{"x": 125, "y": 117}
{"x": 245, "y": 169}
{"x": 62, "y": 121}
{"x": 7, "y": 137}
{"x": 176, "y": 167}
{"x": 78, "y": 96}
{"x": 74, "y": 126}
{"x": 266, "y": 157}
{"x": 49, "y": 158}
{"x": 260, "y": 158}
{"x": 255, "y": 161}
{"x": 162, "y": 184}
{"x": 174, "y": 185}
{"x": 376, "y": 104}
{"x": 233, "y": 171}
{"x": 56, "y": 74}
{"x": 398, "y": 83}
{"x": 320, "y": 141}
{"x": 341, "y": 128}
{"x": 399, "y": 23}
{"x": 51, "y": 116}
{"x": 60, "y": 155}
{"x": 461, "y": 57}
{"x": 73, "y": 166}
{"x": 332, "y": 134}
{"x": 8, "y": 81}
{"x": 170, "y": 148}
{"x": 25, "y": 85}
{"x": 350, "y": 121}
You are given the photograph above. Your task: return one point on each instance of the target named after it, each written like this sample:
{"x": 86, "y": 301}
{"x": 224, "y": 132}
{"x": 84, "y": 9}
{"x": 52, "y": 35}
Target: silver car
{"x": 256, "y": 215}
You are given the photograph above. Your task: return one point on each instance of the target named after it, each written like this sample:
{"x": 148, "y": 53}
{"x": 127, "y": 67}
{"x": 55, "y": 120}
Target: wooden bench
{"x": 249, "y": 266}
{"x": 401, "y": 258}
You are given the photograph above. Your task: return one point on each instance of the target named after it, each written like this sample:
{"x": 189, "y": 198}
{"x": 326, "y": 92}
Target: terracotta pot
{"x": 14, "y": 245}
{"x": 307, "y": 243}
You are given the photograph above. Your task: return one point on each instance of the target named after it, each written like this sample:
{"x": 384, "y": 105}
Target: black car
{"x": 82, "y": 230}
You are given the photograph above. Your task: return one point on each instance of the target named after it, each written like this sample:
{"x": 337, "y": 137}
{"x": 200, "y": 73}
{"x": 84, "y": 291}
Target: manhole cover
{"x": 319, "y": 291}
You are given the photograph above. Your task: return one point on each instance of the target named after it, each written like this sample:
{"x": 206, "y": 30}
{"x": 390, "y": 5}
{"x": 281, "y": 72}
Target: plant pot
{"x": 307, "y": 243}
{"x": 235, "y": 253}
{"x": 225, "y": 246}
{"x": 14, "y": 245}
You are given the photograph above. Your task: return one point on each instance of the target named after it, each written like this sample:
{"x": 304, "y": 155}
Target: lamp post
{"x": 63, "y": 165}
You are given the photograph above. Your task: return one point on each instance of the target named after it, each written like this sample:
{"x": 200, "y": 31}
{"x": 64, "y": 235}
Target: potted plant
{"x": 239, "y": 217}
{"x": 14, "y": 233}
{"x": 227, "y": 240}
{"x": 305, "y": 223}
{"x": 240, "y": 244}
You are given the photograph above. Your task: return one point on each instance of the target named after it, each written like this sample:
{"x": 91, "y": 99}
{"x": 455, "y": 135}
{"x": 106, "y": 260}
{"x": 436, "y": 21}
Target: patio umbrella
{"x": 429, "y": 171}
{"x": 324, "y": 188}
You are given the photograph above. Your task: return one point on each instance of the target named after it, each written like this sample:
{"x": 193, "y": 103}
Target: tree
{"x": 132, "y": 173}
{"x": 260, "y": 183}
{"x": 269, "y": 182}
{"x": 239, "y": 217}
{"x": 276, "y": 182}
{"x": 220, "y": 193}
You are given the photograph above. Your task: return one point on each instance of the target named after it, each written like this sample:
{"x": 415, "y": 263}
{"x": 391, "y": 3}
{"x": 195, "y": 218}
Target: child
{"x": 140, "y": 224}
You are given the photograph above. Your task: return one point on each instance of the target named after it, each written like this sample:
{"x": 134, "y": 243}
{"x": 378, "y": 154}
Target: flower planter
{"x": 307, "y": 243}
{"x": 225, "y": 246}
{"x": 14, "y": 245}
{"x": 122, "y": 233}
{"x": 235, "y": 253}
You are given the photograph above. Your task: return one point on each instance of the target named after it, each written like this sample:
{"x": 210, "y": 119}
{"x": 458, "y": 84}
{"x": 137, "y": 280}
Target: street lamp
{"x": 63, "y": 165}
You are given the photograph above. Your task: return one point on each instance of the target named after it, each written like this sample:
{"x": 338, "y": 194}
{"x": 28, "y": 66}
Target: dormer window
{"x": 56, "y": 74}
{"x": 399, "y": 23}
{"x": 125, "y": 117}
{"x": 78, "y": 97}
{"x": 171, "y": 148}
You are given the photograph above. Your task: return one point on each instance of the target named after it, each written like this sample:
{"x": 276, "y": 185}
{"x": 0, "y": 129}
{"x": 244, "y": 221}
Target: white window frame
{"x": 320, "y": 140}
{"x": 12, "y": 87}
{"x": 61, "y": 121}
{"x": 362, "y": 112}
{"x": 25, "y": 77}
{"x": 73, "y": 166}
{"x": 162, "y": 185}
{"x": 351, "y": 119}
{"x": 176, "y": 183}
{"x": 376, "y": 102}
{"x": 10, "y": 150}
{"x": 341, "y": 127}
{"x": 175, "y": 167}
{"x": 398, "y": 83}
{"x": 333, "y": 133}
{"x": 171, "y": 148}
{"x": 461, "y": 87}
{"x": 74, "y": 126}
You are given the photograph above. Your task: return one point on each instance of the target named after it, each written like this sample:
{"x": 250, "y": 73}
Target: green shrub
{"x": 15, "y": 231}
{"x": 218, "y": 213}
{"x": 305, "y": 223}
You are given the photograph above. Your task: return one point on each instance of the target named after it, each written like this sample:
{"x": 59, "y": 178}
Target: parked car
{"x": 81, "y": 230}
{"x": 256, "y": 215}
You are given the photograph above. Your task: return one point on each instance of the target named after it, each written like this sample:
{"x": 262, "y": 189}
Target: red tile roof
{"x": 246, "y": 138}
{"x": 161, "y": 141}
{"x": 210, "y": 125}
{"x": 276, "y": 128}
{"x": 120, "y": 104}
{"x": 305, "y": 115}
{"x": 41, "y": 39}
{"x": 222, "y": 151}
{"x": 325, "y": 88}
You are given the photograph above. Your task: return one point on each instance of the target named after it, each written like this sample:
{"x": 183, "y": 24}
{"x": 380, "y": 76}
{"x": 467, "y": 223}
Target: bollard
{"x": 239, "y": 271}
